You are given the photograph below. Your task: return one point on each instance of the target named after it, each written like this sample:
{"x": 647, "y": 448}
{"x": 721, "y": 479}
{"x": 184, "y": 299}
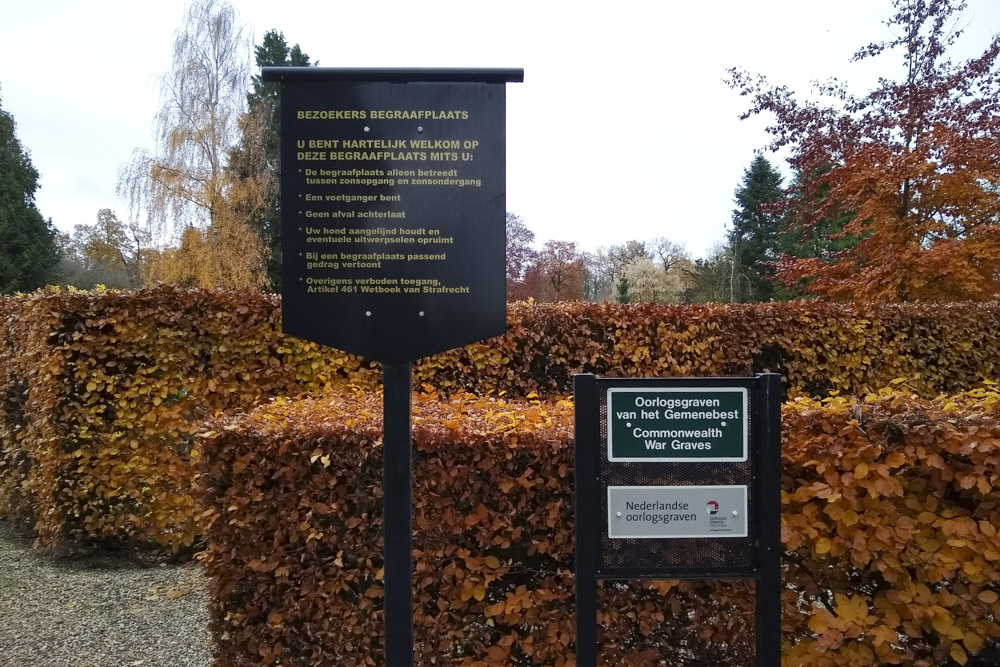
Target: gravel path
{"x": 58, "y": 610}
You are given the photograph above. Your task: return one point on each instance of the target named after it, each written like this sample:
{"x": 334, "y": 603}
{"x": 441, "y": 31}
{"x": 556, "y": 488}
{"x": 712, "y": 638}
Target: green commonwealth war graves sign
{"x": 677, "y": 424}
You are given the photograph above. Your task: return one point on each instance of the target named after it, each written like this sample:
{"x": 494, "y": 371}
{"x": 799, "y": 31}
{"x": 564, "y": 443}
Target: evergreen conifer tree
{"x": 755, "y": 234}
{"x": 257, "y": 158}
{"x": 28, "y": 251}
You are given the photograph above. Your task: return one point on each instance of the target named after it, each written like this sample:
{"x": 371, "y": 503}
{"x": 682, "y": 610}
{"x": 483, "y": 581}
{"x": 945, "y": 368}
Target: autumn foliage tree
{"x": 914, "y": 163}
{"x": 185, "y": 188}
{"x": 108, "y": 252}
{"x": 558, "y": 273}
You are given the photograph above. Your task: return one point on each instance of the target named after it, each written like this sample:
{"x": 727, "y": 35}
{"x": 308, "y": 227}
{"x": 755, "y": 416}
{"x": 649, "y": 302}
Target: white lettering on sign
{"x": 705, "y": 423}
{"x": 705, "y": 433}
{"x": 684, "y": 403}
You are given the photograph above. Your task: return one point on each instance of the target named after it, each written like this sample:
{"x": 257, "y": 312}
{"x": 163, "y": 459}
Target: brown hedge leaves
{"x": 292, "y": 497}
{"x": 102, "y": 392}
{"x": 890, "y": 520}
{"x": 816, "y": 347}
{"x": 890, "y": 508}
{"x": 890, "y": 502}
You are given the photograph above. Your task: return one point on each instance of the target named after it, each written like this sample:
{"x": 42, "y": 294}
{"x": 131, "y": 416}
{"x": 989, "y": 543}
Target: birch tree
{"x": 184, "y": 184}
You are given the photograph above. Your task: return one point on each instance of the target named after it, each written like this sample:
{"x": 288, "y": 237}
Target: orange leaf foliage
{"x": 909, "y": 167}
{"x": 101, "y": 392}
{"x": 896, "y": 566}
{"x": 493, "y": 542}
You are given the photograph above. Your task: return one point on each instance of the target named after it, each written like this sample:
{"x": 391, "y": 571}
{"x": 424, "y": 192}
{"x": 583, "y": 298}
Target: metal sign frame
{"x": 756, "y": 556}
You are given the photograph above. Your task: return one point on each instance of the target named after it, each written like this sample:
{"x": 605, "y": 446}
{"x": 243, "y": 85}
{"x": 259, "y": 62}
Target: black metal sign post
{"x": 587, "y": 478}
{"x": 393, "y": 206}
{"x": 768, "y": 630}
{"x": 397, "y": 514}
{"x": 678, "y": 479}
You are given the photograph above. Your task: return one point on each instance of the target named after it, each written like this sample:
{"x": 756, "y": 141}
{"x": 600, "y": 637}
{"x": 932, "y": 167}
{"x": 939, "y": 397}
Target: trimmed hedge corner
{"x": 101, "y": 394}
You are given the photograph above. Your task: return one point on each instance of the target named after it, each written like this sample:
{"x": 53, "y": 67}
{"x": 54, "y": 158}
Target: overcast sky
{"x": 623, "y": 128}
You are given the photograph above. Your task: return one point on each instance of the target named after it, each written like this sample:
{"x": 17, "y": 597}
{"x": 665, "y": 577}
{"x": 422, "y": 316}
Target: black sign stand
{"x": 765, "y": 514}
{"x": 345, "y": 133}
{"x": 397, "y": 513}
{"x": 768, "y": 630}
{"x": 588, "y": 533}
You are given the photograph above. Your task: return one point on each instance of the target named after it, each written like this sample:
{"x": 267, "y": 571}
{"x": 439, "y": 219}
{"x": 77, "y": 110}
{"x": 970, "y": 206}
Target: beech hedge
{"x": 890, "y": 515}
{"x": 101, "y": 392}
{"x": 816, "y": 347}
{"x": 292, "y": 498}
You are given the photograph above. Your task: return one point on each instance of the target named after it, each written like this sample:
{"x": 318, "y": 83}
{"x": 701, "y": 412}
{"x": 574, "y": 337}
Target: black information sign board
{"x": 393, "y": 200}
{"x": 393, "y": 208}
{"x": 678, "y": 478}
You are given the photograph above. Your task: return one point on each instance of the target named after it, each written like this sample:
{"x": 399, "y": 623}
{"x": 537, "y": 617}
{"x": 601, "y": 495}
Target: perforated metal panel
{"x": 676, "y": 557}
